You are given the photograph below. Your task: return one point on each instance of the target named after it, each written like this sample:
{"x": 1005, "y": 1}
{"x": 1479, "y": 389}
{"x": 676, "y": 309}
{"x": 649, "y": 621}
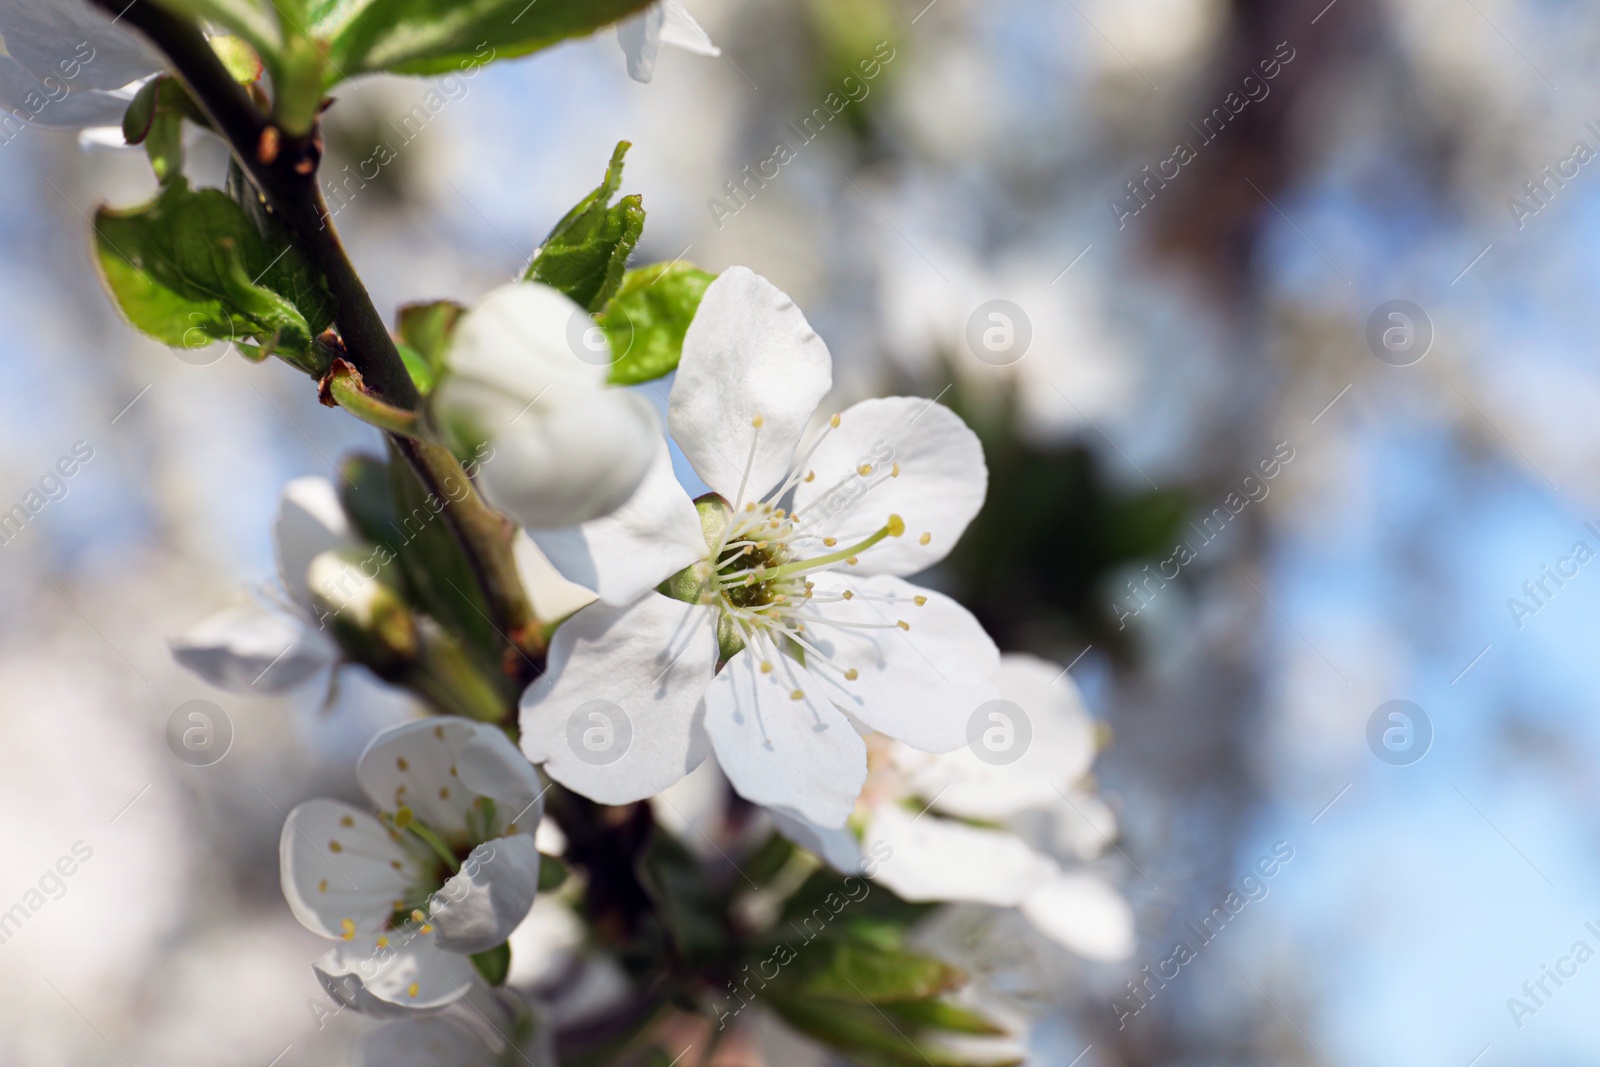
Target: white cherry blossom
{"x": 447, "y": 869}
{"x": 964, "y": 829}
{"x": 663, "y": 22}
{"x": 792, "y": 631}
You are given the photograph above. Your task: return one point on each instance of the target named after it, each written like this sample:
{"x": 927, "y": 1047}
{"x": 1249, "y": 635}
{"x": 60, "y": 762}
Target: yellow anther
{"x": 400, "y": 761}
{"x": 427, "y": 928}
{"x": 757, "y": 421}
{"x": 864, "y": 470}
{"x": 925, "y": 538}
{"x": 382, "y": 942}
{"x": 829, "y": 542}
{"x": 897, "y": 526}
{"x": 852, "y": 561}
{"x": 780, "y": 513}
{"x": 334, "y": 846}
{"x": 345, "y": 820}
{"x": 413, "y": 989}
{"x": 322, "y": 886}
{"x": 848, "y": 595}
{"x": 851, "y": 675}
{"x": 902, "y": 624}
{"x": 397, "y": 865}
{"x": 811, "y": 476}
{"x": 416, "y": 915}
{"x": 919, "y": 600}
{"x": 798, "y": 694}
{"x": 894, "y": 471}
{"x": 750, "y": 506}
{"x": 438, "y": 731}
{"x": 444, "y": 793}
{"x": 347, "y": 929}
{"x": 834, "y": 422}
{"x": 511, "y": 828}
{"x": 766, "y": 666}
{"x": 403, "y": 818}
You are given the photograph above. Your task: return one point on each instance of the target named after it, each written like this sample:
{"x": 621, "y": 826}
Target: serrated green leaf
{"x": 913, "y": 1015}
{"x": 439, "y": 36}
{"x": 647, "y": 319}
{"x": 587, "y": 251}
{"x": 190, "y": 267}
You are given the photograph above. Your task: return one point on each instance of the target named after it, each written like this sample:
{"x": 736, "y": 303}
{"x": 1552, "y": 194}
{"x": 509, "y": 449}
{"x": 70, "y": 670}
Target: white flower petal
{"x": 940, "y": 486}
{"x": 24, "y": 98}
{"x": 408, "y": 974}
{"x": 551, "y": 594}
{"x": 480, "y": 905}
{"x": 310, "y": 521}
{"x": 680, "y": 30}
{"x": 647, "y": 540}
{"x": 748, "y": 353}
{"x": 1083, "y": 913}
{"x": 937, "y": 859}
{"x": 1060, "y": 749}
{"x": 251, "y": 648}
{"x": 622, "y": 679}
{"x": 74, "y": 44}
{"x": 801, "y": 755}
{"x": 920, "y": 684}
{"x": 440, "y": 767}
{"x": 837, "y": 847}
{"x": 640, "y": 38}
{"x": 342, "y": 872}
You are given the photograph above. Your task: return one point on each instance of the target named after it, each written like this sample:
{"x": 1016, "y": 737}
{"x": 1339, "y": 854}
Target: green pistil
{"x": 405, "y": 821}
{"x": 893, "y": 528}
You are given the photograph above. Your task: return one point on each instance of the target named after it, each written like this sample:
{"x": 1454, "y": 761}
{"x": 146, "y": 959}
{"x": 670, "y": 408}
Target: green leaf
{"x": 872, "y": 1037}
{"x": 646, "y": 321}
{"x": 425, "y": 330}
{"x": 912, "y": 1015}
{"x": 494, "y": 964}
{"x": 690, "y": 910}
{"x": 859, "y": 971}
{"x": 439, "y": 36}
{"x": 588, "y": 250}
{"x": 553, "y": 872}
{"x": 190, "y": 267}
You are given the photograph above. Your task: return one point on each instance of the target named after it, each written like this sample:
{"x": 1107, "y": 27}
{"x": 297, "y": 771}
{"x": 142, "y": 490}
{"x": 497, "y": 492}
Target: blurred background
{"x": 1243, "y": 502}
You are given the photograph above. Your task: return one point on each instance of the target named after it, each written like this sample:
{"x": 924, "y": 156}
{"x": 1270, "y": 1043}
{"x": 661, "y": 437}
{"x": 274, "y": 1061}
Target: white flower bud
{"x": 565, "y": 447}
